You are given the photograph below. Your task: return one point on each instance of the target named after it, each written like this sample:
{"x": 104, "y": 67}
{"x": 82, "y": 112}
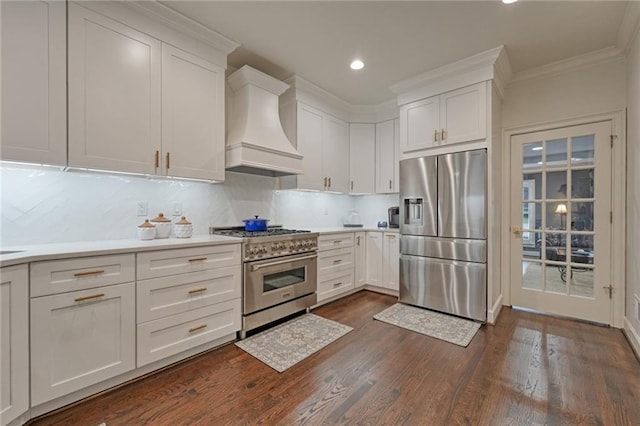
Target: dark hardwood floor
{"x": 528, "y": 369}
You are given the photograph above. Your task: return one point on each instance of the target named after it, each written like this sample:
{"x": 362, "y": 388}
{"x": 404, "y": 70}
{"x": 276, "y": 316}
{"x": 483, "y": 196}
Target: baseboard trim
{"x": 494, "y": 312}
{"x": 633, "y": 336}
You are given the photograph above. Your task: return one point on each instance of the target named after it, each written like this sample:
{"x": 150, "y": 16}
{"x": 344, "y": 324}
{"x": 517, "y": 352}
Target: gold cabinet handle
{"x": 168, "y": 160}
{"x": 337, "y": 241}
{"x": 329, "y": 182}
{"x": 358, "y": 240}
{"x": 324, "y": 185}
{"x": 197, "y": 290}
{"x": 199, "y": 327}
{"x": 352, "y": 185}
{"x": 444, "y": 135}
{"x": 337, "y": 284}
{"x": 157, "y": 159}
{"x": 337, "y": 261}
{"x": 436, "y": 136}
{"x": 390, "y": 184}
{"x": 82, "y": 299}
{"x": 88, "y": 273}
{"x": 197, "y": 259}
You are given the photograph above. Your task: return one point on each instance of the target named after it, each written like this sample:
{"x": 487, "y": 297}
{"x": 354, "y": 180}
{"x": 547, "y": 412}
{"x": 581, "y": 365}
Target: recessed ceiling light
{"x": 357, "y": 64}
{"x": 509, "y": 1}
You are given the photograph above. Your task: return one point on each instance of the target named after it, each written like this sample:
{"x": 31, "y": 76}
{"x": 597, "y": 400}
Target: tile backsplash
{"x": 43, "y": 205}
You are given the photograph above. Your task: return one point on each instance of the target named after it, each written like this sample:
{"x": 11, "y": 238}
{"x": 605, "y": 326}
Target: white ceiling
{"x": 397, "y": 39}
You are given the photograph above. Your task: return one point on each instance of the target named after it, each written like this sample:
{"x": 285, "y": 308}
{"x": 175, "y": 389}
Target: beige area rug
{"x": 441, "y": 326}
{"x": 287, "y": 344}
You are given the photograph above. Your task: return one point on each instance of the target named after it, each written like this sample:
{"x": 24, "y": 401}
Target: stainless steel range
{"x": 279, "y": 274}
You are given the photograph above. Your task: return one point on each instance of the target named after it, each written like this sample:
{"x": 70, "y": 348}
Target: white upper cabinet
{"x": 386, "y": 158}
{"x": 139, "y": 104}
{"x": 335, "y": 153}
{"x": 463, "y": 115}
{"x": 114, "y": 94}
{"x": 420, "y": 124}
{"x": 192, "y": 116}
{"x": 310, "y": 147}
{"x": 362, "y": 158}
{"x": 34, "y": 82}
{"x": 323, "y": 141}
{"x": 452, "y": 117}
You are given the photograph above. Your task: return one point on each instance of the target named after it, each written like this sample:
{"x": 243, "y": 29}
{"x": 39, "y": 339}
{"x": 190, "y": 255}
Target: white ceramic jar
{"x": 183, "y": 228}
{"x": 163, "y": 226}
{"x": 146, "y": 231}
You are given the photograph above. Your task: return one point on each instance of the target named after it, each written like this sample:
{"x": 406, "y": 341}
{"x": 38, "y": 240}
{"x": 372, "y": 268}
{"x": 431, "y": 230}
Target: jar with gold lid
{"x": 163, "y": 226}
{"x": 183, "y": 228}
{"x": 146, "y": 231}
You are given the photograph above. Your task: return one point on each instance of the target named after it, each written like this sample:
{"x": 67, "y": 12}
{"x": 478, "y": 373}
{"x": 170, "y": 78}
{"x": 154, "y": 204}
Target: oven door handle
{"x": 281, "y": 262}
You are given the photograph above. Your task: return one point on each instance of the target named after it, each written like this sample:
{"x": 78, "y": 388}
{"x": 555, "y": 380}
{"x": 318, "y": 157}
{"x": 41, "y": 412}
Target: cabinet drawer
{"x": 162, "y": 263}
{"x": 334, "y": 284}
{"x": 335, "y": 260}
{"x": 332, "y": 241}
{"x": 160, "y": 297}
{"x": 60, "y": 276}
{"x": 171, "y": 335}
{"x": 81, "y": 338}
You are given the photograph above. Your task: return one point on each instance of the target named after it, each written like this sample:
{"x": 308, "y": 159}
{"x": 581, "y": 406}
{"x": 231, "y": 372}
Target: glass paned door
{"x": 560, "y": 204}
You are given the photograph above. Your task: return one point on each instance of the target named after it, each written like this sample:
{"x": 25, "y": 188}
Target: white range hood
{"x": 256, "y": 143}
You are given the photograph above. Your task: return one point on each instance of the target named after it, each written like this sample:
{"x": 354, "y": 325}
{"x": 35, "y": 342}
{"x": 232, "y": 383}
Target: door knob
{"x": 517, "y": 231}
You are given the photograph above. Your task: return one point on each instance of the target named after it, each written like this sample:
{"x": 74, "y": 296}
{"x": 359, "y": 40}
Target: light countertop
{"x": 39, "y": 252}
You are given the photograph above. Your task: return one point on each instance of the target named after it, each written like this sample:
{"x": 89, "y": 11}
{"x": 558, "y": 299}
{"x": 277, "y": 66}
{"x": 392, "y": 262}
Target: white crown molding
{"x": 608, "y": 54}
{"x": 492, "y": 64}
{"x": 307, "y": 92}
{"x": 629, "y": 27}
{"x": 249, "y": 75}
{"x": 179, "y": 22}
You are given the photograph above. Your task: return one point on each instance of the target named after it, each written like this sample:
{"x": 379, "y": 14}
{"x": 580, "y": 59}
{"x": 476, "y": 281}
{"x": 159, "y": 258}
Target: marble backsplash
{"x": 45, "y": 205}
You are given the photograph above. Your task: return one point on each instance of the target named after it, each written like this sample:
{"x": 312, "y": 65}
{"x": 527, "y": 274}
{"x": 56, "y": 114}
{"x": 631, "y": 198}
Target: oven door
{"x": 270, "y": 282}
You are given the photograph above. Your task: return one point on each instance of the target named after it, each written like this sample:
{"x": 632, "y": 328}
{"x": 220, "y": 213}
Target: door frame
{"x": 618, "y": 204}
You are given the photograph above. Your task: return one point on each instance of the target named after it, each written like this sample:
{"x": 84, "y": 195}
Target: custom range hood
{"x": 256, "y": 143}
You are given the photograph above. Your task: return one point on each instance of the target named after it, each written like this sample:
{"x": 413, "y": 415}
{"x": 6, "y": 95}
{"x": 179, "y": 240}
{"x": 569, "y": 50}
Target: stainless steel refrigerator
{"x": 443, "y": 227}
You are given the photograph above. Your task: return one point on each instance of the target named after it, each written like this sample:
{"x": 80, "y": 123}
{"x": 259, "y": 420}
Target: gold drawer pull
{"x": 197, "y": 259}
{"x": 337, "y": 284}
{"x": 87, "y": 273}
{"x": 337, "y": 241}
{"x": 82, "y": 299}
{"x": 337, "y": 261}
{"x": 198, "y": 290}
{"x": 200, "y": 327}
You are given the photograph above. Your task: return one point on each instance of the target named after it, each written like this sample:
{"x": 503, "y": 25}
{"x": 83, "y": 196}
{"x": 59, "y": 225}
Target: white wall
{"x": 632, "y": 324}
{"x": 45, "y": 205}
{"x": 591, "y": 90}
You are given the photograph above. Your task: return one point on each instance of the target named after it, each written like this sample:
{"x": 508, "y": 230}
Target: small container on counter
{"x": 163, "y": 226}
{"x": 183, "y": 228}
{"x": 146, "y": 231}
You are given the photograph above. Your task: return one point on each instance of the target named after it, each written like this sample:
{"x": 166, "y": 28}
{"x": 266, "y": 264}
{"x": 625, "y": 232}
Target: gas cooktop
{"x": 238, "y": 231}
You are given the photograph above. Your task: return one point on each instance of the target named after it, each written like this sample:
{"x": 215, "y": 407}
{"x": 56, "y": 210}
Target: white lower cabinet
{"x": 81, "y": 338}
{"x": 14, "y": 342}
{"x": 170, "y": 335}
{"x": 360, "y": 259}
{"x": 335, "y": 265}
{"x": 391, "y": 261}
{"x": 383, "y": 257}
{"x": 192, "y": 299}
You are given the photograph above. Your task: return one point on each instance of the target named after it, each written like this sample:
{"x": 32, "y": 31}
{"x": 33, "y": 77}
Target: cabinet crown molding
{"x": 248, "y": 75}
{"x": 492, "y": 64}
{"x": 177, "y": 21}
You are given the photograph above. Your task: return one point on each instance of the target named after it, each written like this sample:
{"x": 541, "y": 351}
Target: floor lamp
{"x": 562, "y": 211}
